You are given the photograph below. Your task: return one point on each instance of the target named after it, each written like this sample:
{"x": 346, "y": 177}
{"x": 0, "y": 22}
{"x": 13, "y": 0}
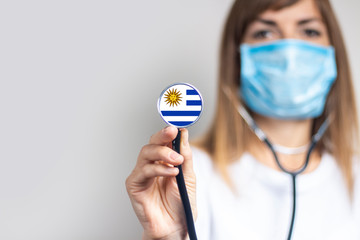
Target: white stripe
{"x": 181, "y": 118}
{"x": 191, "y": 97}
{"x": 165, "y": 107}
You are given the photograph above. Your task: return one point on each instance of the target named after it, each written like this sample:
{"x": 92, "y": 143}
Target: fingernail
{"x": 173, "y": 170}
{"x": 164, "y": 129}
{"x": 175, "y": 156}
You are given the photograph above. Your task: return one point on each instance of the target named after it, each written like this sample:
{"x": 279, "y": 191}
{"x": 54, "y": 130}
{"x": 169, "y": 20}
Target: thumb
{"x": 185, "y": 151}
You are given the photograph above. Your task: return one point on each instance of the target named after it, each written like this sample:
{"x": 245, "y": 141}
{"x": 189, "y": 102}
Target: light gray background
{"x": 79, "y": 82}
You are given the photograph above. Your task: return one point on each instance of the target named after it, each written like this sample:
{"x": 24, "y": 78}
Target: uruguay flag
{"x": 180, "y": 105}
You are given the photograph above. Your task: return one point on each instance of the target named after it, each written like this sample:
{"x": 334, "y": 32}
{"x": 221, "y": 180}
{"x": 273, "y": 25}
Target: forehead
{"x": 300, "y": 10}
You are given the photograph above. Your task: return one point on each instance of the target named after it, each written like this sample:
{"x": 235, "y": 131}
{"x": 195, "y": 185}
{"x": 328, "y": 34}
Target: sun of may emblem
{"x": 172, "y": 97}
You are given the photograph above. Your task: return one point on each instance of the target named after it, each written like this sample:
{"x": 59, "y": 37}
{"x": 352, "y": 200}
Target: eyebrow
{"x": 267, "y": 22}
{"x": 301, "y": 22}
{"x": 305, "y": 21}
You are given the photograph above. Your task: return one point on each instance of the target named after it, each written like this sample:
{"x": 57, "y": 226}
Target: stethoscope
{"x": 274, "y": 148}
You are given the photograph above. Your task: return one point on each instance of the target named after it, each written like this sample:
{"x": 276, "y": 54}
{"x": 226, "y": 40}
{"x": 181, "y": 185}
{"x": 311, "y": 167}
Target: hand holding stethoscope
{"x": 162, "y": 185}
{"x": 152, "y": 187}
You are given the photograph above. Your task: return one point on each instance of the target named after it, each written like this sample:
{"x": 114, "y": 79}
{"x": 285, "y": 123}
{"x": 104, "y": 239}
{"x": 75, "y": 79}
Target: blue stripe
{"x": 180, "y": 124}
{"x": 191, "y": 92}
{"x": 180, "y": 113}
{"x": 193, "y": 103}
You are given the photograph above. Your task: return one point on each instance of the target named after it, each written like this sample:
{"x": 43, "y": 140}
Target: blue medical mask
{"x": 287, "y": 79}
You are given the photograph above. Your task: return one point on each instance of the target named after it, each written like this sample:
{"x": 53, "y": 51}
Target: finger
{"x": 159, "y": 153}
{"x": 185, "y": 151}
{"x": 165, "y": 136}
{"x": 151, "y": 171}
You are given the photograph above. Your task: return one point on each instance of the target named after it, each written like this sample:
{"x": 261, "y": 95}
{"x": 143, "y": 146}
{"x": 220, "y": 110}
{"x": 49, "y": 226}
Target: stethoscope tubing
{"x": 293, "y": 175}
{"x": 262, "y": 136}
{"x": 183, "y": 192}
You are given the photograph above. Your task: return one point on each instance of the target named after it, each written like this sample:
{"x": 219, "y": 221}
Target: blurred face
{"x": 301, "y": 21}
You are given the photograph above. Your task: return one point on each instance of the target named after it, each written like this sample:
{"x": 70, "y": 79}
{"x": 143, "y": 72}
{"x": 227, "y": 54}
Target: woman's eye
{"x": 262, "y": 34}
{"x": 312, "y": 33}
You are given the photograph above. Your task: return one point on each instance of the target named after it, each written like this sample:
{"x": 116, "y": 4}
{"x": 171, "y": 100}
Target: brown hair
{"x": 227, "y": 138}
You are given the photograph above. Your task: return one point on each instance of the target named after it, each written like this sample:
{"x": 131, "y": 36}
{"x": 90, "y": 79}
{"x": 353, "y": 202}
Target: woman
{"x": 285, "y": 62}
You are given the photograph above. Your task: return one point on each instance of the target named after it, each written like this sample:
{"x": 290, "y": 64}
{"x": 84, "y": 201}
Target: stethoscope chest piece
{"x": 180, "y": 105}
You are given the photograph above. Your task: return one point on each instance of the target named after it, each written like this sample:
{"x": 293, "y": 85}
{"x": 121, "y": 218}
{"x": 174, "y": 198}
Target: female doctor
{"x": 285, "y": 124}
